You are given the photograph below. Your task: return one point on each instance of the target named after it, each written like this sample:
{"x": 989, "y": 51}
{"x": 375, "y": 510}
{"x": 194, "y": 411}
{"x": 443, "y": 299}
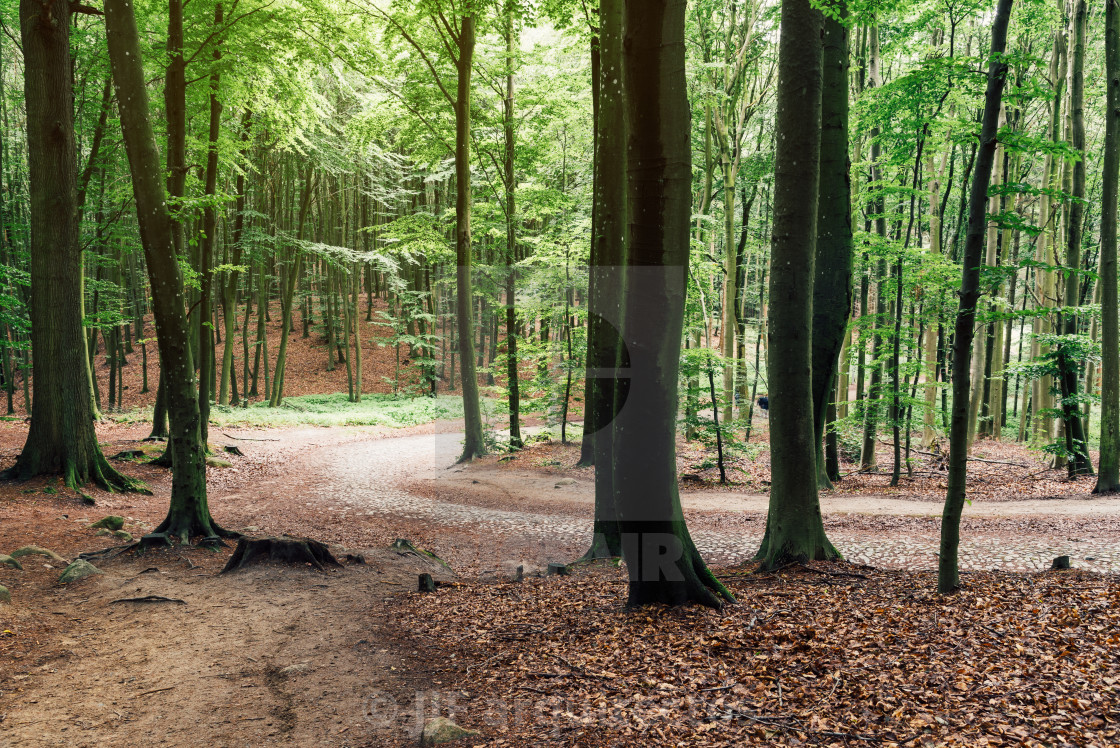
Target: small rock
{"x": 124, "y": 535}
{"x": 103, "y": 532}
{"x": 299, "y": 667}
{"x": 78, "y": 570}
{"x": 1061, "y": 562}
{"x": 218, "y": 462}
{"x": 29, "y": 550}
{"x": 251, "y": 528}
{"x": 442, "y": 730}
{"x": 427, "y": 583}
{"x": 565, "y": 482}
{"x": 9, "y": 561}
{"x": 5, "y": 596}
{"x": 112, "y": 522}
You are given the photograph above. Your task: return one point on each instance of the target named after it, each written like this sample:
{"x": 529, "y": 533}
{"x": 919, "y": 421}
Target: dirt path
{"x": 297, "y": 658}
{"x": 489, "y": 512}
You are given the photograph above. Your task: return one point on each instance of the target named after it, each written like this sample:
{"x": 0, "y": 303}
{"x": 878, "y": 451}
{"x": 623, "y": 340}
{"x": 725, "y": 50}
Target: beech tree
{"x": 948, "y": 577}
{"x": 61, "y": 438}
{"x": 663, "y": 563}
{"x": 794, "y": 526}
{"x": 189, "y": 514}
{"x": 1108, "y": 472}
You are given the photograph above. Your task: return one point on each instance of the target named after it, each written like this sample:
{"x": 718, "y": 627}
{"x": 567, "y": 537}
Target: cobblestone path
{"x": 366, "y": 481}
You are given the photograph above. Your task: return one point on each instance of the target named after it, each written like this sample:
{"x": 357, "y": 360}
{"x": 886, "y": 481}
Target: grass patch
{"x": 330, "y": 410}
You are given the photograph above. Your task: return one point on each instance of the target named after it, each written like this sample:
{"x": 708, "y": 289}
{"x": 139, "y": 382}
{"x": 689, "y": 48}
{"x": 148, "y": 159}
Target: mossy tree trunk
{"x": 61, "y": 438}
{"x": 189, "y": 513}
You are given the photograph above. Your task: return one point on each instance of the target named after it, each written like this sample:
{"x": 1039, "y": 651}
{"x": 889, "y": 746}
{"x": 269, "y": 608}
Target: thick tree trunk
{"x": 1108, "y": 473}
{"x": 604, "y": 351}
{"x": 189, "y": 513}
{"x": 948, "y": 578}
{"x": 794, "y": 527}
{"x": 61, "y": 438}
{"x": 663, "y": 563}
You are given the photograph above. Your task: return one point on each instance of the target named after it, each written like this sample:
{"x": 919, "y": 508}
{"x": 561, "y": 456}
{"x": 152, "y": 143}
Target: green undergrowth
{"x": 332, "y": 410}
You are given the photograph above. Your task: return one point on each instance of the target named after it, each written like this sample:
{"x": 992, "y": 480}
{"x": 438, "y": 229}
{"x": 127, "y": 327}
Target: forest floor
{"x": 861, "y": 652}
{"x": 840, "y": 655}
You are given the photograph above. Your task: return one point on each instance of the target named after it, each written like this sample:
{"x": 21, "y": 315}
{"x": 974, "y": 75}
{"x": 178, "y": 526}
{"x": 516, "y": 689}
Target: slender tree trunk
{"x": 832, "y": 281}
{"x": 948, "y": 577}
{"x": 1077, "y": 445}
{"x": 473, "y": 444}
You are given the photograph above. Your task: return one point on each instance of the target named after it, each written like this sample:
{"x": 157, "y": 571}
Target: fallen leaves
{"x": 803, "y": 659}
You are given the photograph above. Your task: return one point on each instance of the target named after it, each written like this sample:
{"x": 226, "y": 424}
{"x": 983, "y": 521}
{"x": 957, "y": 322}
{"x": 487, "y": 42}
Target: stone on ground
{"x": 5, "y": 596}
{"x": 124, "y": 535}
{"x": 80, "y": 569}
{"x": 29, "y": 550}
{"x": 442, "y": 730}
{"x": 111, "y": 523}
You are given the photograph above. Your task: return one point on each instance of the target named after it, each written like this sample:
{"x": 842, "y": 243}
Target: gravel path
{"x": 362, "y": 483}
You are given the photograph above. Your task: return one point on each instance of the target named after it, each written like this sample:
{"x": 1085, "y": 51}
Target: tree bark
{"x": 662, "y": 561}
{"x": 61, "y": 438}
{"x": 794, "y": 527}
{"x": 1108, "y": 472}
{"x": 189, "y": 513}
{"x": 473, "y": 444}
{"x": 948, "y": 576}
{"x": 604, "y": 349}
{"x": 832, "y": 280}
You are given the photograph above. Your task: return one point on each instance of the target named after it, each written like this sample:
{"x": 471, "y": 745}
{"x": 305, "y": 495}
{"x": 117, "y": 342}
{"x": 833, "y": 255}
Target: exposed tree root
{"x": 605, "y": 545}
{"x": 74, "y": 476}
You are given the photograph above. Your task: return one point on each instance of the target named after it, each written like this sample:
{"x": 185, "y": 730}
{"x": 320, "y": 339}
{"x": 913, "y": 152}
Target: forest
{"x": 566, "y": 372}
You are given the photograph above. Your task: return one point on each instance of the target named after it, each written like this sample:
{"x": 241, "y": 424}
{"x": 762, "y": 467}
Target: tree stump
{"x": 427, "y": 583}
{"x": 558, "y": 569}
{"x": 251, "y": 551}
{"x": 1059, "y": 563}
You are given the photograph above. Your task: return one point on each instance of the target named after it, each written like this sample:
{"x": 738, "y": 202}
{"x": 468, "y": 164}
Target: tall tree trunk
{"x": 794, "y": 527}
{"x": 189, "y": 513}
{"x": 207, "y": 245}
{"x": 948, "y": 576}
{"x": 662, "y": 561}
{"x": 1108, "y": 472}
{"x": 832, "y": 280}
{"x": 510, "y": 182}
{"x": 61, "y": 438}
{"x": 1077, "y": 445}
{"x": 473, "y": 444}
{"x": 605, "y": 354}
